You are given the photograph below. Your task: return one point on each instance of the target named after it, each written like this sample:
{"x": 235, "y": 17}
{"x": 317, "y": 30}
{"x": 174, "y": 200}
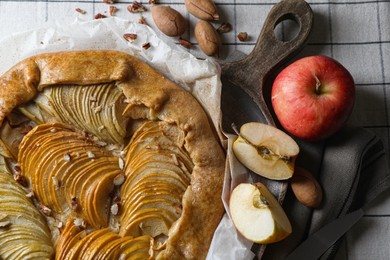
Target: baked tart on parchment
{"x": 103, "y": 157}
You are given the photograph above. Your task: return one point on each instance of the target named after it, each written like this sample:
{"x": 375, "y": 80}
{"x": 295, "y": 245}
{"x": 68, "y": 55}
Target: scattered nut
{"x": 153, "y": 2}
{"x": 5, "y": 223}
{"x": 30, "y": 194}
{"x": 185, "y": 43}
{"x": 306, "y": 188}
{"x": 121, "y": 163}
{"x": 117, "y": 200}
{"x": 242, "y": 36}
{"x": 207, "y": 37}
{"x": 67, "y": 157}
{"x": 130, "y": 37}
{"x": 90, "y": 154}
{"x": 142, "y": 20}
{"x": 224, "y": 28}
{"x": 81, "y": 11}
{"x": 73, "y": 204}
{"x": 20, "y": 179}
{"x": 202, "y": 9}
{"x": 136, "y": 7}
{"x": 79, "y": 222}
{"x": 114, "y": 209}
{"x": 119, "y": 179}
{"x": 100, "y": 16}
{"x": 112, "y": 10}
{"x": 146, "y": 45}
{"x": 168, "y": 20}
{"x": 56, "y": 182}
{"x": 45, "y": 210}
{"x": 108, "y": 1}
{"x": 17, "y": 168}
{"x": 60, "y": 225}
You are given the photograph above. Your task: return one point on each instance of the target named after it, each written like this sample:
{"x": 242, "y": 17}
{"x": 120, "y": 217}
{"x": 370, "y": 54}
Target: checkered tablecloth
{"x": 355, "y": 32}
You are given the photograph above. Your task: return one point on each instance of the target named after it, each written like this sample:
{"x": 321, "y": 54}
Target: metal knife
{"x": 320, "y": 241}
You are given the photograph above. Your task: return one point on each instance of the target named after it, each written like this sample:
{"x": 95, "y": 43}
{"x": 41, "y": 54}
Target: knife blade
{"x": 320, "y": 241}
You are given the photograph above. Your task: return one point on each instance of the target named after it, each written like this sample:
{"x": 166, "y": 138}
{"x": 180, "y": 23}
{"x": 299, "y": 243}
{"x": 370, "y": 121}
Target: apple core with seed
{"x": 313, "y": 97}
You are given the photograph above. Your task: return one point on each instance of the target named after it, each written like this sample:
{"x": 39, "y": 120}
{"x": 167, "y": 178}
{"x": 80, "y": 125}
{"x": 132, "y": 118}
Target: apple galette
{"x": 102, "y": 157}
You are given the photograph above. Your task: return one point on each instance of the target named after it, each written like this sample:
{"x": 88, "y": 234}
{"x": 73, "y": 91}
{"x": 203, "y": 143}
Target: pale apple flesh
{"x": 313, "y": 97}
{"x": 257, "y": 214}
{"x": 266, "y": 151}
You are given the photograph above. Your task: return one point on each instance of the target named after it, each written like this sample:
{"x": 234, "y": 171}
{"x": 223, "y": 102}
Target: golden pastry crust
{"x": 149, "y": 95}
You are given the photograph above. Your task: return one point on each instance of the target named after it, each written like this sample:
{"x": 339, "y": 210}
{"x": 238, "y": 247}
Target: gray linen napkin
{"x": 352, "y": 169}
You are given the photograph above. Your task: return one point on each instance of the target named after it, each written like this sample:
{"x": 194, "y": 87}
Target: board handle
{"x": 270, "y": 52}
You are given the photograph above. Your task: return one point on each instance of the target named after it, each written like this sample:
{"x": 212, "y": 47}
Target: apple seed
{"x": 260, "y": 202}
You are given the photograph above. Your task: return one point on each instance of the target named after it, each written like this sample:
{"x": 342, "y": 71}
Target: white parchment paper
{"x": 200, "y": 77}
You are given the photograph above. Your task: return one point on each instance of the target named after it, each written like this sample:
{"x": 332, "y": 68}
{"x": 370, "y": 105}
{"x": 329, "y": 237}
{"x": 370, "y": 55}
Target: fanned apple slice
{"x": 102, "y": 244}
{"x": 149, "y": 188}
{"x": 75, "y": 243}
{"x": 96, "y": 109}
{"x": 266, "y": 150}
{"x": 67, "y": 166}
{"x": 111, "y": 250}
{"x": 163, "y": 164}
{"x": 137, "y": 248}
{"x": 82, "y": 247}
{"x": 155, "y": 154}
{"x": 157, "y": 136}
{"x": 161, "y": 156}
{"x": 21, "y": 219}
{"x": 151, "y": 221}
{"x": 257, "y": 214}
{"x": 69, "y": 237}
{"x": 138, "y": 196}
{"x": 96, "y": 246}
{"x": 157, "y": 174}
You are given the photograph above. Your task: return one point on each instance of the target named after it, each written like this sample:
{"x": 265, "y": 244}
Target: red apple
{"x": 313, "y": 97}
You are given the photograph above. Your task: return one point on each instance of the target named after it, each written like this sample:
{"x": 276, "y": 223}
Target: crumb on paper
{"x": 81, "y": 11}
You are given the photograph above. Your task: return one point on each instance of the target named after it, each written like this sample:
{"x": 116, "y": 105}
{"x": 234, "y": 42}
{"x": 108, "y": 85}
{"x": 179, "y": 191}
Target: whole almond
{"x": 202, "y": 9}
{"x": 207, "y": 38}
{"x": 168, "y": 20}
{"x": 306, "y": 188}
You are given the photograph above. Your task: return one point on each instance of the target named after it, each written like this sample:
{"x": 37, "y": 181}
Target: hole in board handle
{"x": 286, "y": 28}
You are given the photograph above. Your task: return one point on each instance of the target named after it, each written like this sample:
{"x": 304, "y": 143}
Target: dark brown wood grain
{"x": 250, "y": 73}
{"x": 245, "y": 92}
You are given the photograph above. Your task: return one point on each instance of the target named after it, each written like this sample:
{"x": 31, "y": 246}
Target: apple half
{"x": 257, "y": 214}
{"x": 266, "y": 150}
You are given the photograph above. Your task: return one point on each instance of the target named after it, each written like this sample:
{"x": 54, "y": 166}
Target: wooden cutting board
{"x": 245, "y": 86}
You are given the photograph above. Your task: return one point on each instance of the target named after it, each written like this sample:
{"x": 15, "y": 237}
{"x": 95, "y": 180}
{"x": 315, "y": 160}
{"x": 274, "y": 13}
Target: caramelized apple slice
{"x": 74, "y": 243}
{"x": 137, "y": 248}
{"x": 266, "y": 150}
{"x": 67, "y": 241}
{"x": 150, "y": 221}
{"x": 97, "y": 245}
{"x": 65, "y": 167}
{"x": 21, "y": 219}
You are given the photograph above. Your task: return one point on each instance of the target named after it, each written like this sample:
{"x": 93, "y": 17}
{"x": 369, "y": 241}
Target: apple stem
{"x": 318, "y": 85}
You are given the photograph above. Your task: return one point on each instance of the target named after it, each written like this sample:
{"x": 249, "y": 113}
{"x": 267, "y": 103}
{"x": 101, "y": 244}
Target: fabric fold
{"x": 352, "y": 169}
